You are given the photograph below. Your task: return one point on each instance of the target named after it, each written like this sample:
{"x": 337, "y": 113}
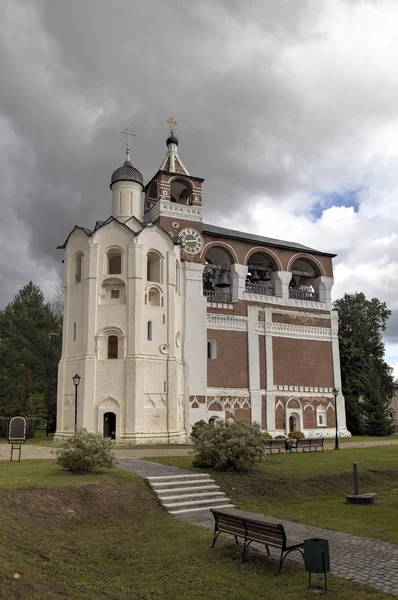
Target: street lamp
{"x": 51, "y": 335}
{"x": 76, "y": 380}
{"x": 335, "y": 393}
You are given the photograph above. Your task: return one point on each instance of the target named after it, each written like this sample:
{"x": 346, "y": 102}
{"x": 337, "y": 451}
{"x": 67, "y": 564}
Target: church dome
{"x": 127, "y": 173}
{"x": 172, "y": 139}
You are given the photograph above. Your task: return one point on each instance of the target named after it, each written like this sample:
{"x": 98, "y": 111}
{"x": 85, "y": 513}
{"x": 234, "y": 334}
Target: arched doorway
{"x": 110, "y": 425}
{"x": 293, "y": 423}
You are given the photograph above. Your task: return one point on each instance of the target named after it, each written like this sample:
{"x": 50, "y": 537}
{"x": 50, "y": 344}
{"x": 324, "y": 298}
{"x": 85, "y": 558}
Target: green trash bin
{"x": 317, "y": 558}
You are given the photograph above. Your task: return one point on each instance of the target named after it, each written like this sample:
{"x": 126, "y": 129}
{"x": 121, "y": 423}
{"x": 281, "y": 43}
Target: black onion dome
{"x": 172, "y": 139}
{"x": 127, "y": 173}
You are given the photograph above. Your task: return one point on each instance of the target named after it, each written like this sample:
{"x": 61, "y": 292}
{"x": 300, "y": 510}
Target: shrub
{"x": 280, "y": 437}
{"x": 196, "y": 428}
{"x": 296, "y": 435}
{"x": 267, "y": 436}
{"x": 228, "y": 446}
{"x": 84, "y": 452}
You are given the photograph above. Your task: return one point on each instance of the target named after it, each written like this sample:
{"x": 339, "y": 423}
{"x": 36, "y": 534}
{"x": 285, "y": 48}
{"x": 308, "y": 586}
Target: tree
{"x": 366, "y": 377}
{"x": 25, "y": 327}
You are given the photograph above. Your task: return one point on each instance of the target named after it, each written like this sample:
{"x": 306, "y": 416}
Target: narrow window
{"x": 114, "y": 262}
{"x": 211, "y": 349}
{"x": 113, "y": 343}
{"x": 74, "y": 332}
{"x": 115, "y": 293}
{"x": 78, "y": 268}
{"x": 177, "y": 278}
{"x": 320, "y": 420}
{"x": 149, "y": 330}
{"x": 164, "y": 318}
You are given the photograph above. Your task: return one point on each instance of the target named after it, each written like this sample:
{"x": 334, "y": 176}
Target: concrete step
{"x": 167, "y": 478}
{"x": 209, "y": 503}
{"x": 201, "y": 509}
{"x": 186, "y": 490}
{"x": 163, "y": 484}
{"x": 186, "y": 497}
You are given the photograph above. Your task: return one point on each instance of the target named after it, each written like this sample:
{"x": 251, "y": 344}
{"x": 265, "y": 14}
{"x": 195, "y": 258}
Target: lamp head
{"x": 76, "y": 379}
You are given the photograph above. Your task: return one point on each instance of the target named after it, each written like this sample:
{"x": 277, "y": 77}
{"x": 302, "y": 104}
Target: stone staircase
{"x": 188, "y": 493}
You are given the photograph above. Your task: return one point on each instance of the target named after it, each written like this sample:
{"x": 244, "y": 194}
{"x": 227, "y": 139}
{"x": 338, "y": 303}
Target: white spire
{"x": 172, "y": 161}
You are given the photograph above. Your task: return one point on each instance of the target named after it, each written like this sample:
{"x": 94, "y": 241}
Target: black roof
{"x": 249, "y": 237}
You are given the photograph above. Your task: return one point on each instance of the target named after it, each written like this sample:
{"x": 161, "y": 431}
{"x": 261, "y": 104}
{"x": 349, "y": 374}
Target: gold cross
{"x": 172, "y": 123}
{"x": 127, "y": 132}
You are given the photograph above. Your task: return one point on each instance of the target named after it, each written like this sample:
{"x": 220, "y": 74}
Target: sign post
{"x": 17, "y": 435}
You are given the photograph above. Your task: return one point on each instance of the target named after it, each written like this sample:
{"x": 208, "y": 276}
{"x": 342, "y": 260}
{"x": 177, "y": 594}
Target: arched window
{"x": 321, "y": 416}
{"x": 149, "y": 332}
{"x": 114, "y": 262}
{"x": 78, "y": 267}
{"x": 154, "y": 297}
{"x": 113, "y": 346}
{"x": 211, "y": 349}
{"x": 181, "y": 191}
{"x": 154, "y": 267}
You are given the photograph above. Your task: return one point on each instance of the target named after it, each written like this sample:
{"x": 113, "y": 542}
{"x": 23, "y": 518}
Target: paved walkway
{"x": 357, "y": 558}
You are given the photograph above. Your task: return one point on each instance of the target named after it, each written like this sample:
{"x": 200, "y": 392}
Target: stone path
{"x": 30, "y": 451}
{"x": 357, "y": 558}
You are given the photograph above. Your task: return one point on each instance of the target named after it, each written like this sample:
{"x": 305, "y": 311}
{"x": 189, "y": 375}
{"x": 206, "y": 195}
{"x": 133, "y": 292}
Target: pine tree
{"x": 25, "y": 327}
{"x": 367, "y": 379}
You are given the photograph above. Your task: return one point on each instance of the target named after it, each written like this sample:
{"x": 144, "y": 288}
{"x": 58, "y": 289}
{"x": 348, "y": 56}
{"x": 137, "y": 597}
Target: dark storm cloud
{"x": 270, "y": 97}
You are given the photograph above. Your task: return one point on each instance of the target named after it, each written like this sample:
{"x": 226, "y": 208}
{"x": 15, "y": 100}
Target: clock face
{"x": 191, "y": 241}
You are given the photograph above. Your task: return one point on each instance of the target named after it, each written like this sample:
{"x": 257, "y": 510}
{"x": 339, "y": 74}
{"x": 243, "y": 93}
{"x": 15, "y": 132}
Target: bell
{"x": 266, "y": 276}
{"x": 207, "y": 285}
{"x": 255, "y": 277}
{"x": 223, "y": 280}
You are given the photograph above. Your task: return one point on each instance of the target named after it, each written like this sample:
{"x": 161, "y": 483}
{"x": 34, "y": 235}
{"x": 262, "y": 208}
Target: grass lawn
{"x": 106, "y": 537}
{"x": 364, "y": 438}
{"x": 311, "y": 488}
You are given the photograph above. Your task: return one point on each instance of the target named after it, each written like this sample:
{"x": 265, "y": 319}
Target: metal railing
{"x": 215, "y": 296}
{"x": 260, "y": 288}
{"x": 303, "y": 295}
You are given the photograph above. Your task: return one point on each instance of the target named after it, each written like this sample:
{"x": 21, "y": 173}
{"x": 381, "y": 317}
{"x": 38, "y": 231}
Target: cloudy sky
{"x": 289, "y": 109}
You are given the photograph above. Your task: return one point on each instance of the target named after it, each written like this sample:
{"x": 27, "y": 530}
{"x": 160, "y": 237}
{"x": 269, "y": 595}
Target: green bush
{"x": 296, "y": 435}
{"x": 196, "y": 428}
{"x": 267, "y": 436}
{"x": 280, "y": 437}
{"x": 228, "y": 446}
{"x": 84, "y": 452}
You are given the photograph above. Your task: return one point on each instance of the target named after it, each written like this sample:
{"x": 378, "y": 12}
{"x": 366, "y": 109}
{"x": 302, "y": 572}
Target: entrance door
{"x": 292, "y": 423}
{"x": 110, "y": 425}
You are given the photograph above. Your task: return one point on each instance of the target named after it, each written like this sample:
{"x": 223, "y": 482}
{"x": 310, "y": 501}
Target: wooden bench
{"x": 253, "y": 530}
{"x": 309, "y": 444}
{"x": 274, "y": 445}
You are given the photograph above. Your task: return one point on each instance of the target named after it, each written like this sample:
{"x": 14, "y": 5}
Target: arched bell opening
{"x": 259, "y": 278}
{"x": 217, "y": 279}
{"x": 301, "y": 286}
{"x": 181, "y": 191}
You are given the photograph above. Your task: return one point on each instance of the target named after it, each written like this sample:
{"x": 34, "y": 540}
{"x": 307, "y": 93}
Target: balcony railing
{"x": 216, "y": 296}
{"x": 303, "y": 295}
{"x": 260, "y": 288}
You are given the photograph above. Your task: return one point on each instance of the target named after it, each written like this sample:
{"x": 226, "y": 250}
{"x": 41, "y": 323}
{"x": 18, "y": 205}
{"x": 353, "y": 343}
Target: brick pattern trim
{"x": 296, "y": 331}
{"x": 230, "y": 322}
{"x": 303, "y": 388}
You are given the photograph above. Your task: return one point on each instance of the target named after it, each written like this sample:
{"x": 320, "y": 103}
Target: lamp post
{"x": 51, "y": 335}
{"x": 335, "y": 393}
{"x": 76, "y": 380}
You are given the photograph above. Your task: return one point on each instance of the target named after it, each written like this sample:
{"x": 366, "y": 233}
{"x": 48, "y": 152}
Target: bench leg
{"x": 245, "y": 547}
{"x": 282, "y": 560}
{"x": 236, "y": 539}
{"x": 216, "y": 534}
{"x": 268, "y": 552}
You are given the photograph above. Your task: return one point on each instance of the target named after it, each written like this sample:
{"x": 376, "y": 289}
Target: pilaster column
{"x": 341, "y": 415}
{"x": 254, "y": 364}
{"x": 238, "y": 275}
{"x": 280, "y": 280}
{"x": 269, "y": 359}
{"x": 323, "y": 286}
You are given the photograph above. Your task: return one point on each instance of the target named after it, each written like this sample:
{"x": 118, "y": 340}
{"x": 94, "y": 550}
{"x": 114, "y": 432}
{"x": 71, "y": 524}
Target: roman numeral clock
{"x": 191, "y": 241}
